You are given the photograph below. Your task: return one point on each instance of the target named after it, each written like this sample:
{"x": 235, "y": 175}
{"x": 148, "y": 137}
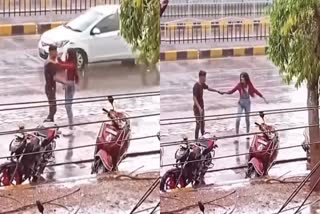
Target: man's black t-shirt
{"x": 50, "y": 70}
{"x": 198, "y": 93}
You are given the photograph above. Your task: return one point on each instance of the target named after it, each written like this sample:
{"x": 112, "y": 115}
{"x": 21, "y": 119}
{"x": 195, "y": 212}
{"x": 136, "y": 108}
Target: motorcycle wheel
{"x": 169, "y": 179}
{"x": 6, "y": 171}
{"x": 98, "y": 167}
{"x": 251, "y": 172}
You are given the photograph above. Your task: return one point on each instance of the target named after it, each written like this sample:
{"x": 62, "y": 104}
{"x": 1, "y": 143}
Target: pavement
{"x": 105, "y": 194}
{"x": 177, "y": 80}
{"x": 22, "y": 80}
{"x": 257, "y": 196}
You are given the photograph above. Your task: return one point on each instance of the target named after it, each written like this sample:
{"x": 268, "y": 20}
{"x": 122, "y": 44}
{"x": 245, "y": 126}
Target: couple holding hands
{"x": 66, "y": 73}
{"x": 245, "y": 89}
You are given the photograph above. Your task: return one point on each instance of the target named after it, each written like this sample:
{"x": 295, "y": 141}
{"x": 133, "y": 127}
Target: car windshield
{"x": 83, "y": 21}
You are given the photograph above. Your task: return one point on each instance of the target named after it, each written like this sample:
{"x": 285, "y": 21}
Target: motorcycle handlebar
{"x": 105, "y": 110}
{"x": 257, "y": 124}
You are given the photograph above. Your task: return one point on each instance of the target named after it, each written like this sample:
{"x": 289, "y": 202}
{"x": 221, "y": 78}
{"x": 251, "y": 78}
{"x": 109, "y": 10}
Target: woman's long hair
{"x": 72, "y": 56}
{"x": 248, "y": 83}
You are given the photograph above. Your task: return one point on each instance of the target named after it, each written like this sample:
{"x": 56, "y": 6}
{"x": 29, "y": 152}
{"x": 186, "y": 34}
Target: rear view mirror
{"x": 110, "y": 99}
{"x": 158, "y": 135}
{"x": 261, "y": 114}
{"x": 96, "y": 31}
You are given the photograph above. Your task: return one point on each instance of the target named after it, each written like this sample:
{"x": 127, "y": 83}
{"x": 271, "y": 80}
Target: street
{"x": 22, "y": 80}
{"x": 177, "y": 80}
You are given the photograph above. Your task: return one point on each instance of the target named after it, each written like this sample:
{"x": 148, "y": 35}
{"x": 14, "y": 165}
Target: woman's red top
{"x": 239, "y": 87}
{"x": 72, "y": 74}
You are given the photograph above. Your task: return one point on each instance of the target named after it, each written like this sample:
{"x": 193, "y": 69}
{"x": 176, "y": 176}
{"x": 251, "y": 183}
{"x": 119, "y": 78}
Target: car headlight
{"x": 61, "y": 43}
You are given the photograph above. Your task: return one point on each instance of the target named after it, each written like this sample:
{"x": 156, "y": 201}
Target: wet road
{"x": 21, "y": 79}
{"x": 177, "y": 80}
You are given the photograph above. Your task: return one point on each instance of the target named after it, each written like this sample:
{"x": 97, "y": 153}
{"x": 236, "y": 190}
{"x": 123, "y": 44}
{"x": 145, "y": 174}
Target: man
{"x": 198, "y": 107}
{"x": 50, "y": 69}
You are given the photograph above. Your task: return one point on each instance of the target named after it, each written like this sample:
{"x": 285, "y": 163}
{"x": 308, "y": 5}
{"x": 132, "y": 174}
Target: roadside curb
{"x": 27, "y": 28}
{"x": 192, "y": 54}
{"x": 209, "y": 24}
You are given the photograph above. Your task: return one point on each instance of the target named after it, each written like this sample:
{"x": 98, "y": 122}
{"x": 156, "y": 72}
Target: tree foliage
{"x": 140, "y": 27}
{"x": 294, "y": 41}
{"x": 294, "y": 46}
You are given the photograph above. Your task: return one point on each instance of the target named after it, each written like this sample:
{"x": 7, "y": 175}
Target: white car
{"x": 95, "y": 35}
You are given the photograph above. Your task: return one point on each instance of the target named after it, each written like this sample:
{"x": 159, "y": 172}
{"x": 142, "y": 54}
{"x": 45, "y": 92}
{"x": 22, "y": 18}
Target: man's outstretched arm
{"x": 214, "y": 90}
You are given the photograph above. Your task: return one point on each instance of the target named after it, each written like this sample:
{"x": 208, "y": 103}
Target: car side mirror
{"x": 96, "y": 31}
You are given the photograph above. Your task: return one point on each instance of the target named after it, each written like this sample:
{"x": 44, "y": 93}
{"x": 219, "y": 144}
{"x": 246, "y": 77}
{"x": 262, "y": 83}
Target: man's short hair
{"x": 202, "y": 73}
{"x": 52, "y": 48}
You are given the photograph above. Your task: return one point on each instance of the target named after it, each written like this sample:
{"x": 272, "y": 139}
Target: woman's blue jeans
{"x": 69, "y": 94}
{"x": 243, "y": 105}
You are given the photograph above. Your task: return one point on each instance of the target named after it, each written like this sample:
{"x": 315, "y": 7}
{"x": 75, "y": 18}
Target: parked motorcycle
{"x": 263, "y": 150}
{"x": 192, "y": 162}
{"x": 23, "y": 166}
{"x": 112, "y": 142}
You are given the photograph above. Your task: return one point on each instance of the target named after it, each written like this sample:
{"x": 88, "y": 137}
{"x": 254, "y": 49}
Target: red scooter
{"x": 112, "y": 142}
{"x": 263, "y": 150}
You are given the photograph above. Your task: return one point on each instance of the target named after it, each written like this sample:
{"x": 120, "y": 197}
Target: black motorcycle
{"x": 21, "y": 165}
{"x": 192, "y": 162}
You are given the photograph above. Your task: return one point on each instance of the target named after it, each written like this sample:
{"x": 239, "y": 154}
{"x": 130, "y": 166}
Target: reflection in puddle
{"x": 236, "y": 143}
{"x": 69, "y": 151}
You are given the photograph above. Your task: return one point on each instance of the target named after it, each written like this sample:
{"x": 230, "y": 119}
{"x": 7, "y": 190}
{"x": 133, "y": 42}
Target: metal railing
{"x": 42, "y": 7}
{"x": 214, "y": 31}
{"x": 217, "y": 8}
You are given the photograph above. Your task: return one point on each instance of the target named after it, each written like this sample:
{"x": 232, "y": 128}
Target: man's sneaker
{"x": 48, "y": 120}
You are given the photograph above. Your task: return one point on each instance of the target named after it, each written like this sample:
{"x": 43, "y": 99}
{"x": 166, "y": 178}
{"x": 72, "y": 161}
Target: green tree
{"x": 140, "y": 27}
{"x": 294, "y": 46}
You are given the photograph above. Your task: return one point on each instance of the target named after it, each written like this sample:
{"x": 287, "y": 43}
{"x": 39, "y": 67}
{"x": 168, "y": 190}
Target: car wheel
{"x": 128, "y": 62}
{"x": 82, "y": 59}
{"x": 150, "y": 77}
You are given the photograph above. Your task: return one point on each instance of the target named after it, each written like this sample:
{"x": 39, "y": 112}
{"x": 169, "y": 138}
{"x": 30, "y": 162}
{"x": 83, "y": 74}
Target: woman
{"x": 246, "y": 90}
{"x": 72, "y": 78}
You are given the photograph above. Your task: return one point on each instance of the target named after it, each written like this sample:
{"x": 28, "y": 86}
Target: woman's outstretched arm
{"x": 236, "y": 88}
{"x": 259, "y": 94}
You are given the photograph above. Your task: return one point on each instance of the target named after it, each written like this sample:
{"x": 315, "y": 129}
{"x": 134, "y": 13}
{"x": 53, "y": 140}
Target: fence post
{"x": 188, "y": 5}
{"x": 222, "y": 7}
{"x": 50, "y": 5}
{"x": 254, "y": 9}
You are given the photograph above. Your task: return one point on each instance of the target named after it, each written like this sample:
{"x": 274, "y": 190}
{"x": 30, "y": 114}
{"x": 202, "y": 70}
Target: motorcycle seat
{"x": 262, "y": 141}
{"x": 41, "y": 135}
